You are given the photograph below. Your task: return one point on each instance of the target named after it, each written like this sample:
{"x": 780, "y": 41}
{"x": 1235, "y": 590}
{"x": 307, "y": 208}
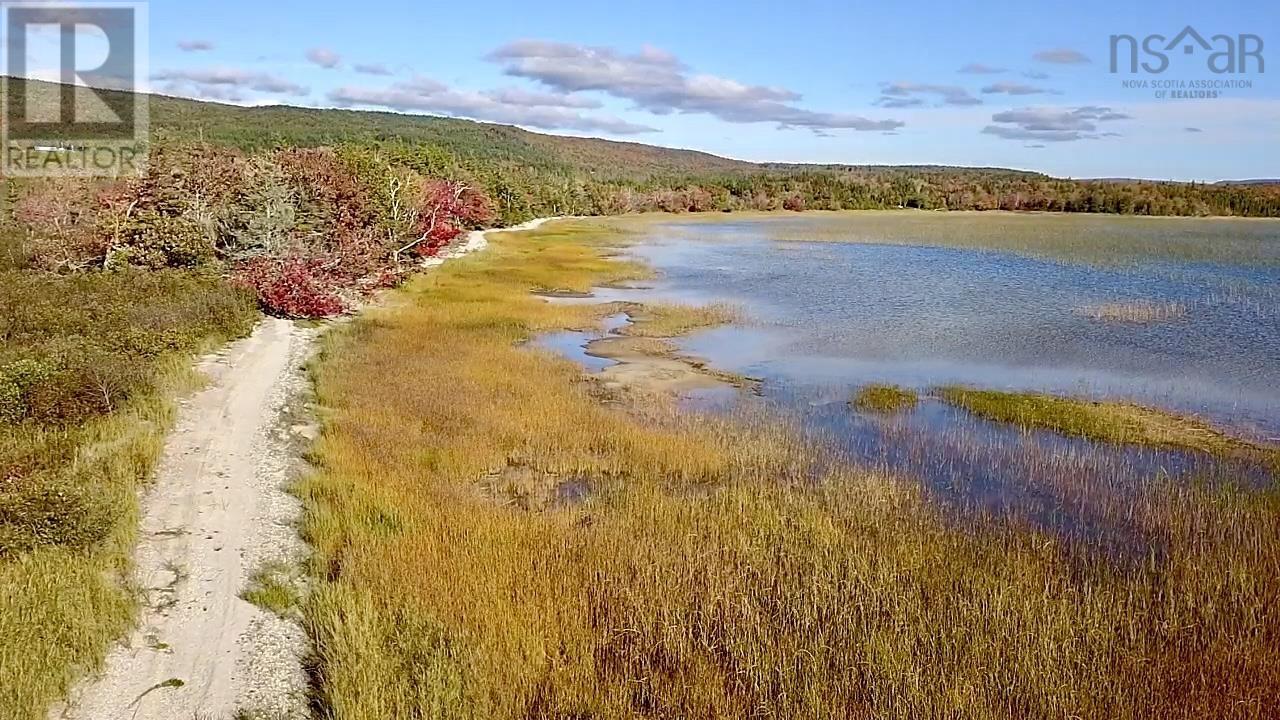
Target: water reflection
{"x": 824, "y": 319}
{"x": 572, "y": 344}
{"x": 921, "y": 316}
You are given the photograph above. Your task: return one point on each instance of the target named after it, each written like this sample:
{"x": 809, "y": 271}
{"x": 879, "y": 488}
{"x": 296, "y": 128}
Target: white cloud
{"x": 1015, "y": 88}
{"x": 233, "y": 78}
{"x": 324, "y": 57}
{"x": 372, "y": 69}
{"x": 658, "y": 82}
{"x": 195, "y": 45}
{"x": 1049, "y": 124}
{"x": 548, "y": 112}
{"x": 906, "y": 94}
{"x": 219, "y": 93}
{"x": 1061, "y": 56}
{"x": 981, "y": 69}
{"x": 529, "y": 98}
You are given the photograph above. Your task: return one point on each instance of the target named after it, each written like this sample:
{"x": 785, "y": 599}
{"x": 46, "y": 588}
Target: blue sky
{"x": 849, "y": 82}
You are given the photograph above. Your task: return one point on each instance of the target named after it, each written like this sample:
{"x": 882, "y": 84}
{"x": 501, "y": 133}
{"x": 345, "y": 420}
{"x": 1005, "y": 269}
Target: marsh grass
{"x": 718, "y": 568}
{"x": 1138, "y": 312}
{"x": 1103, "y": 421}
{"x": 89, "y": 367}
{"x": 1092, "y": 239}
{"x": 665, "y": 320}
{"x": 885, "y": 399}
{"x": 1102, "y": 240}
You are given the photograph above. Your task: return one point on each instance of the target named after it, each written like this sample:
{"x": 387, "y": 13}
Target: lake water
{"x": 1008, "y": 312}
{"x": 838, "y": 314}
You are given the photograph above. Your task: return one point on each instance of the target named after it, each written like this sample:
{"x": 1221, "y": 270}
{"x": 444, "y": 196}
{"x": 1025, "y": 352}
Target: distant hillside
{"x": 1258, "y": 182}
{"x": 251, "y": 128}
{"x": 255, "y": 127}
{"x": 922, "y": 170}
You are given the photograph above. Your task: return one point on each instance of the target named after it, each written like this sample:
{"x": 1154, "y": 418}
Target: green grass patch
{"x": 276, "y": 587}
{"x": 1111, "y": 422}
{"x": 665, "y": 320}
{"x": 885, "y": 399}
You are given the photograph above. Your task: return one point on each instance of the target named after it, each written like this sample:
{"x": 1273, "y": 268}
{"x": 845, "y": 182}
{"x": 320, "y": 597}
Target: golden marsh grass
{"x": 711, "y": 568}
{"x": 664, "y": 320}
{"x": 1104, "y": 421}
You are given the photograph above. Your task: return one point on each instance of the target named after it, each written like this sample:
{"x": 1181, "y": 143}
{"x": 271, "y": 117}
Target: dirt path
{"x": 478, "y": 239}
{"x": 218, "y": 511}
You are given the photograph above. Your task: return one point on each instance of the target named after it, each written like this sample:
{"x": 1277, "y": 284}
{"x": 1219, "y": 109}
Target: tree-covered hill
{"x": 473, "y": 142}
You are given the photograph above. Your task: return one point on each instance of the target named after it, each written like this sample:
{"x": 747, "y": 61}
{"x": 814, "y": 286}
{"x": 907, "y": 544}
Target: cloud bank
{"x": 1061, "y": 56}
{"x": 540, "y": 110}
{"x": 211, "y": 82}
{"x": 658, "y": 82}
{"x": 1046, "y": 124}
{"x": 909, "y": 94}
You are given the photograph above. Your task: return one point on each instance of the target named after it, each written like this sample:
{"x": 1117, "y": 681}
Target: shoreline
{"x": 524, "y": 511}
{"x": 711, "y": 215}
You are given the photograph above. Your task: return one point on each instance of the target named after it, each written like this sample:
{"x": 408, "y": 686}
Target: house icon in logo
{"x": 1186, "y": 36}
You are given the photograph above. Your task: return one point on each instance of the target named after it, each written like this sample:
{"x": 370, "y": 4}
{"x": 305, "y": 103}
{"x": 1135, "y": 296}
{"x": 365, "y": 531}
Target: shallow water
{"x": 836, "y": 313}
{"x": 824, "y": 318}
{"x": 572, "y": 344}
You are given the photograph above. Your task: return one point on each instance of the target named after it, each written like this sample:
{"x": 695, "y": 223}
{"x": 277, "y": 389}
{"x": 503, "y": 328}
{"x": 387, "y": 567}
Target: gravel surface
{"x": 218, "y": 511}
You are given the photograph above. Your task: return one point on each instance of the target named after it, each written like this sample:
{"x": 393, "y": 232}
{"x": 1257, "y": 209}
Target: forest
{"x": 531, "y": 174}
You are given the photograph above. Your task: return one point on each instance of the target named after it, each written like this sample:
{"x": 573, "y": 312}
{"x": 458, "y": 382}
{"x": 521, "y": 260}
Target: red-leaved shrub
{"x": 330, "y": 187}
{"x": 293, "y": 286}
{"x": 307, "y": 230}
{"x": 446, "y": 208}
